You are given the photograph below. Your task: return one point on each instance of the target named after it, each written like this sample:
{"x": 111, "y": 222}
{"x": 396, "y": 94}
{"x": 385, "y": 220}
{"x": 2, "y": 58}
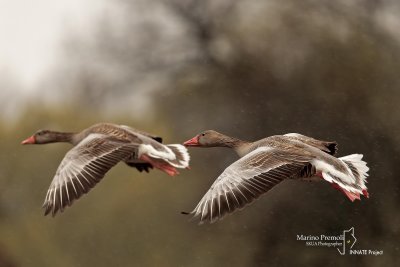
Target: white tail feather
{"x": 182, "y": 156}
{"x": 358, "y": 167}
{"x": 353, "y": 180}
{"x": 176, "y": 155}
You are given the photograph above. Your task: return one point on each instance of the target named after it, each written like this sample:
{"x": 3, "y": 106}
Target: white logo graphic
{"x": 344, "y": 243}
{"x": 349, "y": 240}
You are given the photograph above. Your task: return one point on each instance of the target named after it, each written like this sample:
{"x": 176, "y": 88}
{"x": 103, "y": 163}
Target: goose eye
{"x": 203, "y": 134}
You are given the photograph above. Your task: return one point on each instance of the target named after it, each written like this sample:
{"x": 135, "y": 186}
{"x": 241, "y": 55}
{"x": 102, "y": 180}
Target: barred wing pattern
{"x": 82, "y": 168}
{"x": 247, "y": 179}
{"x": 329, "y": 147}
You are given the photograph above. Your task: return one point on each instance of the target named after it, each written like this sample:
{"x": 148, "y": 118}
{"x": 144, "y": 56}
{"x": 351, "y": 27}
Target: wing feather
{"x": 246, "y": 180}
{"x": 329, "y": 147}
{"x": 82, "y": 168}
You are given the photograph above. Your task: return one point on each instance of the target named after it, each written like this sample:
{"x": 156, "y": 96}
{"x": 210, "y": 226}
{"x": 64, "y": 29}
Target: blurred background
{"x": 250, "y": 69}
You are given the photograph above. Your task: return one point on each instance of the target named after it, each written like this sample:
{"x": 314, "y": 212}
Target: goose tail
{"x": 351, "y": 179}
{"x": 182, "y": 156}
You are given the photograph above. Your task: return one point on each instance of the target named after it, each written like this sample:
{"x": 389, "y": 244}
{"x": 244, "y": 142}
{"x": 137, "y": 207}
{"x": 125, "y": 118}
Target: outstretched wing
{"x": 329, "y": 147}
{"x": 135, "y": 131}
{"x": 247, "y": 179}
{"x": 82, "y": 168}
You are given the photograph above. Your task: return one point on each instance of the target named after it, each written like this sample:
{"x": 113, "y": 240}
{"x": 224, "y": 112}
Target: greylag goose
{"x": 96, "y": 150}
{"x": 265, "y": 163}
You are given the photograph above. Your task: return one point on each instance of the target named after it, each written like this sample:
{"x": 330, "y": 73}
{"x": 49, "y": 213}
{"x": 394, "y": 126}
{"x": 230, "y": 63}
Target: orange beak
{"x": 192, "y": 142}
{"x": 29, "y": 140}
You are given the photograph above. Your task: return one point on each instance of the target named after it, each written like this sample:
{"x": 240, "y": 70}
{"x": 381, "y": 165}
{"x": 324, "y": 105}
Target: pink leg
{"x": 365, "y": 193}
{"x": 161, "y": 165}
{"x": 352, "y": 196}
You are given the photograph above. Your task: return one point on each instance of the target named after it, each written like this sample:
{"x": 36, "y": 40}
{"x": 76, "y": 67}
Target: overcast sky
{"x": 31, "y": 33}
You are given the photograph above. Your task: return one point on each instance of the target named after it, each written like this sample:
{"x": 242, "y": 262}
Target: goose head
{"x": 43, "y": 137}
{"x": 209, "y": 138}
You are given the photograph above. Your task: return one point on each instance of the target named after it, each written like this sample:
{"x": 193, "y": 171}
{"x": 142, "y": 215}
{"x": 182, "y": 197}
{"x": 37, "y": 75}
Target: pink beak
{"x": 29, "y": 140}
{"x": 192, "y": 142}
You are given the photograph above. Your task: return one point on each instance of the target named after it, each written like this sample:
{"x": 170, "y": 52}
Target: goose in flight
{"x": 265, "y": 163}
{"x": 96, "y": 150}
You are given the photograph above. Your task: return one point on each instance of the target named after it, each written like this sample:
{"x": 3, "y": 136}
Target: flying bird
{"x": 265, "y": 163}
{"x": 96, "y": 150}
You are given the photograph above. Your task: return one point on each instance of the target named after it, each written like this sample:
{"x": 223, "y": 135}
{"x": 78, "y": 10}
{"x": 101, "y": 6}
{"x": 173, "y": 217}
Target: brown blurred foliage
{"x": 250, "y": 69}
